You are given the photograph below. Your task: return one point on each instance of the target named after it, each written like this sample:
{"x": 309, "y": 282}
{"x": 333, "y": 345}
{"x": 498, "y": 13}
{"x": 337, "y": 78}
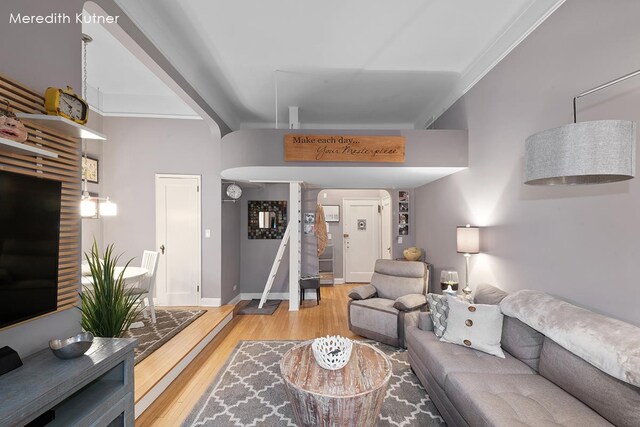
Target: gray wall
{"x": 41, "y": 56}
{"x": 137, "y": 149}
{"x": 580, "y": 243}
{"x": 231, "y": 254}
{"x": 257, "y": 255}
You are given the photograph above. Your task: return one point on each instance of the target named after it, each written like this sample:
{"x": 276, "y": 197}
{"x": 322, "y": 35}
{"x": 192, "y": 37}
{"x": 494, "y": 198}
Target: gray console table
{"x": 92, "y": 390}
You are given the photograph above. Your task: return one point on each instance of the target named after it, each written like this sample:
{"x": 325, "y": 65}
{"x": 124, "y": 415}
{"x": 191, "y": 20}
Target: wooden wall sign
{"x": 344, "y": 148}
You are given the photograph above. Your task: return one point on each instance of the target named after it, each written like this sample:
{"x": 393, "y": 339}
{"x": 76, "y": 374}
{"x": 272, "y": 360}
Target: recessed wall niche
{"x": 267, "y": 219}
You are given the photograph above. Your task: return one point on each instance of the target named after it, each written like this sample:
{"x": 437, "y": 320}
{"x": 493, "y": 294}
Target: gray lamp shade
{"x": 468, "y": 239}
{"x": 593, "y": 152}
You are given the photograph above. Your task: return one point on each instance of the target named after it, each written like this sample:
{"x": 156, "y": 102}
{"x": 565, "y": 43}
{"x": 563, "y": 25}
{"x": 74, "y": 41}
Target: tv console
{"x": 95, "y": 389}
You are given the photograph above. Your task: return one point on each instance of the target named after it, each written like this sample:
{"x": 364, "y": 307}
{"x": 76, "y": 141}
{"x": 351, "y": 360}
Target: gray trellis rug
{"x": 248, "y": 391}
{"x": 168, "y": 323}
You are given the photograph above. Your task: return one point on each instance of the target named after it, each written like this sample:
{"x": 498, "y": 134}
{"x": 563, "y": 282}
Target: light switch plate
{"x": 207, "y": 233}
{"x": 399, "y": 240}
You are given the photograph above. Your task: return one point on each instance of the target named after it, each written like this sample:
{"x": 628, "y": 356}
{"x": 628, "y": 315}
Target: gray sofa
{"x": 538, "y": 383}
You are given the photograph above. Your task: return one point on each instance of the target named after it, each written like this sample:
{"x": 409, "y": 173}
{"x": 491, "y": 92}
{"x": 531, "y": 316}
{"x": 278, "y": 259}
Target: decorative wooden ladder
{"x": 276, "y": 264}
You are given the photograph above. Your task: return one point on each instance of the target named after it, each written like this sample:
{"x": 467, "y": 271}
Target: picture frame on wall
{"x": 403, "y": 196}
{"x": 403, "y": 230}
{"x": 403, "y": 207}
{"x": 90, "y": 167}
{"x": 331, "y": 213}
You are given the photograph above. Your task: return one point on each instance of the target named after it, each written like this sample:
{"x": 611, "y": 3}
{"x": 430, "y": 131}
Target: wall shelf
{"x": 20, "y": 148}
{"x": 63, "y": 125}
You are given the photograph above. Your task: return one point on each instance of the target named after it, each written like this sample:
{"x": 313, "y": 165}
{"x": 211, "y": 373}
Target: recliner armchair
{"x": 383, "y": 309}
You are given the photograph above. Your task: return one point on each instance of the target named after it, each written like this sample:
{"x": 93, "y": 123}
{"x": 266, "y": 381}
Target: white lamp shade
{"x": 468, "y": 239}
{"x": 88, "y": 208}
{"x": 593, "y": 152}
{"x": 108, "y": 208}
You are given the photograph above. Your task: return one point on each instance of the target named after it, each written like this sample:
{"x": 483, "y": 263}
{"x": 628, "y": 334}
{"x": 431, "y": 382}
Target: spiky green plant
{"x": 108, "y": 307}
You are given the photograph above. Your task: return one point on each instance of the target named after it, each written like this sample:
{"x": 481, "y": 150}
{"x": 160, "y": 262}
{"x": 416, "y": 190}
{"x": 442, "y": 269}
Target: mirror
{"x": 267, "y": 220}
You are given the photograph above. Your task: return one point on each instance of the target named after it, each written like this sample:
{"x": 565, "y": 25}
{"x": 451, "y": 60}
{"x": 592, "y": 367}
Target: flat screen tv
{"x": 29, "y": 242}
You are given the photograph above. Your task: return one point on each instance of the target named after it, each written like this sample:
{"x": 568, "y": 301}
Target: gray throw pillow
{"x": 439, "y": 310}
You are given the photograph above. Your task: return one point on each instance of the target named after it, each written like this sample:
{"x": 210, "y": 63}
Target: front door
{"x": 361, "y": 238}
{"x": 178, "y": 239}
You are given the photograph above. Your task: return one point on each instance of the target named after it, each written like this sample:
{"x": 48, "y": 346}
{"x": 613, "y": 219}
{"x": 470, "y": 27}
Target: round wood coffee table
{"x": 351, "y": 396}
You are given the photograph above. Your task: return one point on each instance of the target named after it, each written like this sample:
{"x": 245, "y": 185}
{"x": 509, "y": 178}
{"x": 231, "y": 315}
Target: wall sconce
{"x": 468, "y": 242}
{"x": 594, "y": 152}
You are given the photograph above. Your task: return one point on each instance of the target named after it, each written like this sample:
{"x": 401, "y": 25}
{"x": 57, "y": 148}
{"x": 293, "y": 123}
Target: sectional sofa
{"x": 539, "y": 382}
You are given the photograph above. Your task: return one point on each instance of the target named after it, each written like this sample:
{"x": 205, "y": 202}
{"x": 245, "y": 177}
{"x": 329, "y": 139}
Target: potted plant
{"x": 108, "y": 308}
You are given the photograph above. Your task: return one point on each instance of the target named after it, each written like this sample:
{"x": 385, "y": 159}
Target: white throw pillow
{"x": 476, "y": 326}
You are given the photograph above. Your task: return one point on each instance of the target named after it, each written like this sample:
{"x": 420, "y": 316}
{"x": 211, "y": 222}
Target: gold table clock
{"x": 65, "y": 103}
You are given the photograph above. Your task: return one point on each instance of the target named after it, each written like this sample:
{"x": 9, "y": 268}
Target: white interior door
{"x": 361, "y": 238}
{"x": 178, "y": 239}
{"x": 385, "y": 227}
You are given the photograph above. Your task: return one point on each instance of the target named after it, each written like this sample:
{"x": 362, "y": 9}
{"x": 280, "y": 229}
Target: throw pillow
{"x": 477, "y": 326}
{"x": 438, "y": 309}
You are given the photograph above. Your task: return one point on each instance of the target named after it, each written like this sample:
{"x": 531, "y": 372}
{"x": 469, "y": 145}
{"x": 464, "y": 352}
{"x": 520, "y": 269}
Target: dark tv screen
{"x": 29, "y": 241}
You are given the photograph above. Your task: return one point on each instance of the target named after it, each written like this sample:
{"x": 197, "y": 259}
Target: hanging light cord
{"x": 85, "y": 40}
{"x": 602, "y": 86}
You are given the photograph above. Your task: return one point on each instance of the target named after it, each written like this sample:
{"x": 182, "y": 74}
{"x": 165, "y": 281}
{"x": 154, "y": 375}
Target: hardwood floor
{"x": 329, "y": 318}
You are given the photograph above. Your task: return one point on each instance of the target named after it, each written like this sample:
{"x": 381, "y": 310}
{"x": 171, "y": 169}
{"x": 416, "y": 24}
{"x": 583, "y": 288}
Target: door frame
{"x": 389, "y": 226}
{"x": 344, "y": 224}
{"x": 158, "y": 177}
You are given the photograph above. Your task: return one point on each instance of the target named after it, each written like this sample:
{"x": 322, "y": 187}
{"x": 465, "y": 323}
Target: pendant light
{"x": 91, "y": 207}
{"x": 594, "y": 152}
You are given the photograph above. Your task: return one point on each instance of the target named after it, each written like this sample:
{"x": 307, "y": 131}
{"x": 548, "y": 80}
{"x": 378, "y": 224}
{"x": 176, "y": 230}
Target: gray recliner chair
{"x": 383, "y": 309}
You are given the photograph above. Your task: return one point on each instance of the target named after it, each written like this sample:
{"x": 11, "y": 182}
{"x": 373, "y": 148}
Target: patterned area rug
{"x": 248, "y": 391}
{"x": 168, "y": 324}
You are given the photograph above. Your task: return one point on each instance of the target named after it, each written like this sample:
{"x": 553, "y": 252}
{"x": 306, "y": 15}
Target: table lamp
{"x": 468, "y": 242}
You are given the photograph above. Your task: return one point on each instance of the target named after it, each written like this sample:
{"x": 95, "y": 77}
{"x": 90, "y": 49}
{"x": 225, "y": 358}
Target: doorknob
{"x": 162, "y": 249}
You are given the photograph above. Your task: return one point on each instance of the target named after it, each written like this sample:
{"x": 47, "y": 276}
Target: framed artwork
{"x": 90, "y": 169}
{"x": 267, "y": 219}
{"x": 403, "y": 196}
{"x": 403, "y": 207}
{"x": 309, "y": 218}
{"x": 309, "y": 228}
{"x": 331, "y": 213}
{"x": 403, "y": 230}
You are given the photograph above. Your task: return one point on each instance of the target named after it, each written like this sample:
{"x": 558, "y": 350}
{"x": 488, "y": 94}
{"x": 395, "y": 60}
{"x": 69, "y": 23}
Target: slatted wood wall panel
{"x": 66, "y": 169}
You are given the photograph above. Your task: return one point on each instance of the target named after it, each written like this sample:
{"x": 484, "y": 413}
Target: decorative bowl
{"x": 412, "y": 254}
{"x": 332, "y": 352}
{"x": 72, "y": 347}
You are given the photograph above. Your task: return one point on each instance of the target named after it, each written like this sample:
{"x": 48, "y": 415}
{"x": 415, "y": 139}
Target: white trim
{"x": 501, "y": 47}
{"x": 162, "y": 385}
{"x": 339, "y": 281}
{"x": 144, "y": 115}
{"x": 295, "y": 197}
{"x": 258, "y": 295}
{"x": 210, "y": 302}
{"x": 235, "y": 300}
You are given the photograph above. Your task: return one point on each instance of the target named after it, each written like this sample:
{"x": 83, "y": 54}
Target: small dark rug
{"x": 168, "y": 324}
{"x": 248, "y": 391}
{"x": 269, "y": 307}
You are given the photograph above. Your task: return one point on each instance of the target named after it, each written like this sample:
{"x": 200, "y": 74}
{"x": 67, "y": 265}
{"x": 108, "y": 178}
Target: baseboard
{"x": 235, "y": 300}
{"x": 258, "y": 295}
{"x": 210, "y": 302}
{"x": 339, "y": 281}
{"x": 162, "y": 385}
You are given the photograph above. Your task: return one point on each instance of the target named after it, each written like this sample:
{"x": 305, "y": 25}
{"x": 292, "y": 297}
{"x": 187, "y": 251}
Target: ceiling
{"x": 119, "y": 84}
{"x": 345, "y": 64}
